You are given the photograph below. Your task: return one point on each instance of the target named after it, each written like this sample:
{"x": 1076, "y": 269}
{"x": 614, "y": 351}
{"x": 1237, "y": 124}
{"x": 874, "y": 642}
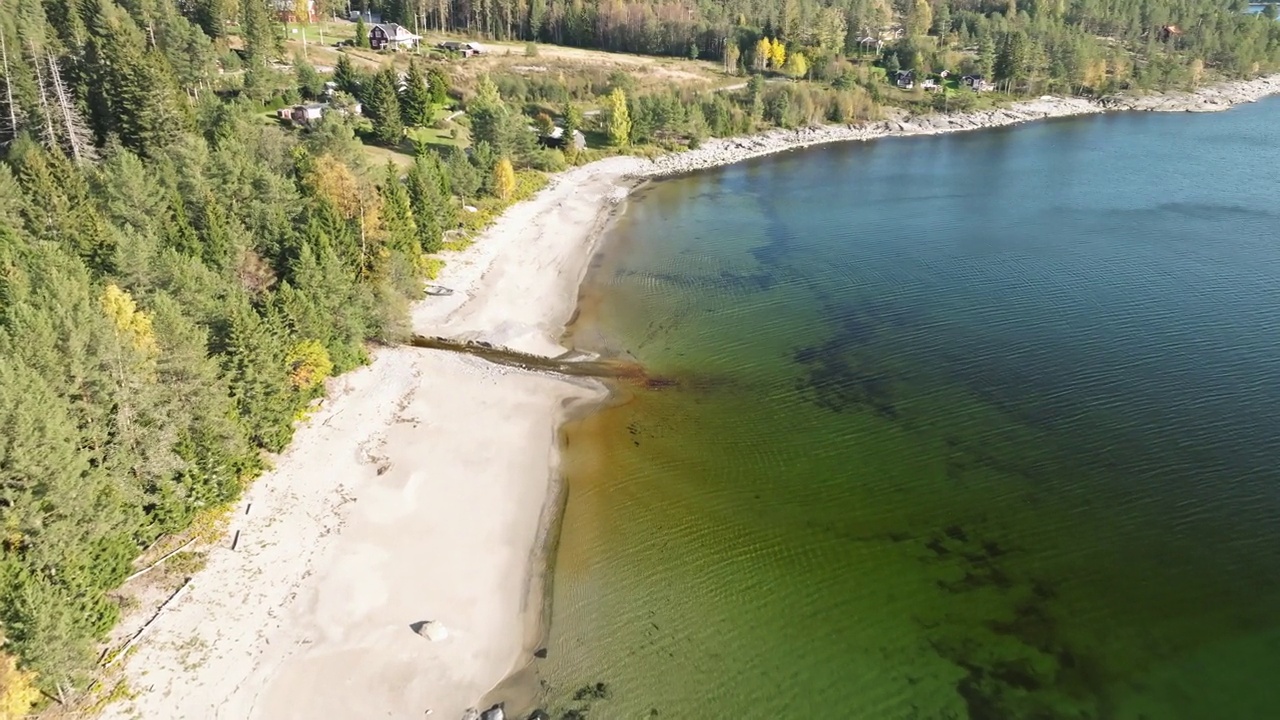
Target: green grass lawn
{"x": 439, "y": 137}
{"x": 403, "y": 154}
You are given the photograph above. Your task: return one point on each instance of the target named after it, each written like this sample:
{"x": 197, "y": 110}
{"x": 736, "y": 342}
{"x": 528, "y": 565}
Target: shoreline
{"x": 726, "y": 151}
{"x": 418, "y": 491}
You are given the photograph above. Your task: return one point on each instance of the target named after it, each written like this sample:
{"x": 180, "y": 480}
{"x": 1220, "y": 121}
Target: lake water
{"x": 972, "y": 426}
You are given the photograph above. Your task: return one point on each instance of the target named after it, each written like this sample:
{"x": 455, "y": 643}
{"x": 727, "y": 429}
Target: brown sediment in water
{"x": 572, "y": 363}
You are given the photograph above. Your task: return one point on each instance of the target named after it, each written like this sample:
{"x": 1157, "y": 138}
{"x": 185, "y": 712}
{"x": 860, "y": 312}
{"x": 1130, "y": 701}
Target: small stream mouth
{"x": 571, "y": 364}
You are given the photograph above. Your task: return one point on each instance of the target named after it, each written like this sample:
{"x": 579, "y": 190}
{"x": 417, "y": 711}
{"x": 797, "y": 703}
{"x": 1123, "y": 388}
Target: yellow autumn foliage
{"x": 504, "y": 179}
{"x": 309, "y": 365}
{"x": 133, "y": 323}
{"x": 777, "y": 54}
{"x": 17, "y": 689}
{"x": 761, "y": 58}
{"x": 332, "y": 180}
{"x": 797, "y": 66}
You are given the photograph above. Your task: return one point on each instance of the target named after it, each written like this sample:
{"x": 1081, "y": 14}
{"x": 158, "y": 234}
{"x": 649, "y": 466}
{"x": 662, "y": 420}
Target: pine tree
{"x": 323, "y": 300}
{"x": 211, "y": 16}
{"x": 986, "y": 55}
{"x": 919, "y": 18}
{"x": 415, "y": 100}
{"x": 942, "y": 19}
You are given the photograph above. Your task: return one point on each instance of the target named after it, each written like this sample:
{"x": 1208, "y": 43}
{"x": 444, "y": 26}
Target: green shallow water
{"x": 974, "y": 426}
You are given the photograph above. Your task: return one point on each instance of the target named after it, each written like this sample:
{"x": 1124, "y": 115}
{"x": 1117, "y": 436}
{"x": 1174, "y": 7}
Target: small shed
{"x": 557, "y": 140}
{"x": 904, "y": 79}
{"x": 463, "y": 48}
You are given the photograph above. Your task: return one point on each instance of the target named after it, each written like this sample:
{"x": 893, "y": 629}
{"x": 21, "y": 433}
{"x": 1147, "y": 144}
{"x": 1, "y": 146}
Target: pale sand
{"x": 310, "y": 616}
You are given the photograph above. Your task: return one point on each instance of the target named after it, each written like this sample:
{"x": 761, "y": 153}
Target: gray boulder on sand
{"x": 432, "y": 630}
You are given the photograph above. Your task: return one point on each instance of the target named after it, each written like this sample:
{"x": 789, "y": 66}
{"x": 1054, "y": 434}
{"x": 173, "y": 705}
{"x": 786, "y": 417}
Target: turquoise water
{"x": 974, "y": 426}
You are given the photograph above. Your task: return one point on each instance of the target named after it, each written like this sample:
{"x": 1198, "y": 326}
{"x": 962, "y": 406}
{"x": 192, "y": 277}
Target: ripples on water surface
{"x": 976, "y": 426}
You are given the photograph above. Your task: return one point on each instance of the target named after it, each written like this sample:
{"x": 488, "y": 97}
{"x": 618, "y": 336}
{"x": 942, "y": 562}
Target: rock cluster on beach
{"x": 1207, "y": 99}
{"x": 729, "y": 150}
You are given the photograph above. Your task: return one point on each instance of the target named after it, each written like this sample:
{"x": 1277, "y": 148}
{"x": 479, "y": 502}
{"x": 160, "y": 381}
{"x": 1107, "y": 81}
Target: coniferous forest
{"x": 179, "y": 274}
{"x": 177, "y": 279}
{"x": 1040, "y": 45}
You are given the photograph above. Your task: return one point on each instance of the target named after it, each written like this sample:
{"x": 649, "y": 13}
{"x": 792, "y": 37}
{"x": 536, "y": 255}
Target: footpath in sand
{"x": 419, "y": 491}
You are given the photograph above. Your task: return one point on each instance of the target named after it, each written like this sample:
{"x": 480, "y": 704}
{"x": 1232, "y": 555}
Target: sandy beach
{"x": 417, "y": 492}
{"x": 421, "y": 487}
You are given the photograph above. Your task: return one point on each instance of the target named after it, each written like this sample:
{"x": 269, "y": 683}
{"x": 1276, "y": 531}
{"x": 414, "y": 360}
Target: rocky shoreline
{"x": 724, "y": 151}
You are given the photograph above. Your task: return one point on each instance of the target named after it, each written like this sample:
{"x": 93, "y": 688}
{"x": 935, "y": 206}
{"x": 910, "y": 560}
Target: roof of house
{"x": 395, "y": 31}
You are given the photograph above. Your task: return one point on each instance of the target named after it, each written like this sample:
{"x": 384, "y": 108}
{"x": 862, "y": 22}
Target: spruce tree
{"x": 397, "y": 215}
{"x": 57, "y": 206}
{"x": 362, "y": 32}
{"x": 310, "y": 83}
{"x": 427, "y": 202}
{"x": 439, "y": 86}
{"x": 463, "y": 176}
{"x": 489, "y": 115}
{"x": 259, "y": 44}
{"x": 132, "y": 93}
{"x": 415, "y": 100}
{"x": 255, "y": 366}
{"x": 382, "y": 106}
{"x": 178, "y": 232}
{"x": 346, "y": 77}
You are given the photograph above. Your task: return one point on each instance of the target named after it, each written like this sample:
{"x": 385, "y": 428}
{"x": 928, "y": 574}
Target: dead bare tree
{"x": 47, "y": 133}
{"x": 13, "y": 125}
{"x": 75, "y": 132}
